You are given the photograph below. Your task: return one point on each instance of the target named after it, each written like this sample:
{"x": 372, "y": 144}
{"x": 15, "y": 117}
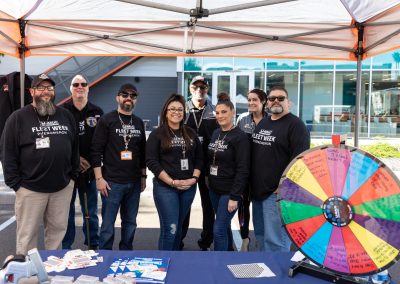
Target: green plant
{"x": 379, "y": 149}
{"x": 382, "y": 150}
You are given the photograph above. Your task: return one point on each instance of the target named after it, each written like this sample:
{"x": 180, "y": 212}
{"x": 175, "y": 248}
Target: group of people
{"x": 51, "y": 154}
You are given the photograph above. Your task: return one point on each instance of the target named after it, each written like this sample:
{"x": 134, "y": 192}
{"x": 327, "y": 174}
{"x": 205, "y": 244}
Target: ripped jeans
{"x": 172, "y": 207}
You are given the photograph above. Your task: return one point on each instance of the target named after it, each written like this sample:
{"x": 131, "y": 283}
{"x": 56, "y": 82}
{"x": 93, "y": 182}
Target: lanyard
{"x": 183, "y": 144}
{"x": 127, "y": 137}
{"x": 219, "y": 143}
{"x": 198, "y": 123}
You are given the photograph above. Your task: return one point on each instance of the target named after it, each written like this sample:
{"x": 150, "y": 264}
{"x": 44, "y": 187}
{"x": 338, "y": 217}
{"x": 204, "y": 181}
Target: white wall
{"x": 151, "y": 67}
{"x": 34, "y": 65}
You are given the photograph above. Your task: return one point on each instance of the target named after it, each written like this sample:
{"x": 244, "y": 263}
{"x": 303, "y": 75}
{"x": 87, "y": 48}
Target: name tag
{"x": 214, "y": 170}
{"x": 43, "y": 143}
{"x": 184, "y": 164}
{"x": 126, "y": 155}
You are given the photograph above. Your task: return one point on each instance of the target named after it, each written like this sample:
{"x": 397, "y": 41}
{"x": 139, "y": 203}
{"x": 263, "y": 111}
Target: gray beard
{"x": 276, "y": 109}
{"x": 45, "y": 108}
{"x": 126, "y": 107}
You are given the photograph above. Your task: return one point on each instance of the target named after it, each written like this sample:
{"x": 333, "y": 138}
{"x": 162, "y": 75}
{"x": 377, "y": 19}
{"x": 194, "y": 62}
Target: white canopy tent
{"x": 313, "y": 29}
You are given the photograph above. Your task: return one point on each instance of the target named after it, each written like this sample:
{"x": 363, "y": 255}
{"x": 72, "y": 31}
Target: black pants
{"x": 206, "y": 238}
{"x": 244, "y": 214}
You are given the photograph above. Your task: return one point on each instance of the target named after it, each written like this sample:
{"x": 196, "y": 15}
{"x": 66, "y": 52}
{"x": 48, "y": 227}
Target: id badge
{"x": 126, "y": 155}
{"x": 184, "y": 164}
{"x": 214, "y": 170}
{"x": 43, "y": 143}
{"x": 201, "y": 139}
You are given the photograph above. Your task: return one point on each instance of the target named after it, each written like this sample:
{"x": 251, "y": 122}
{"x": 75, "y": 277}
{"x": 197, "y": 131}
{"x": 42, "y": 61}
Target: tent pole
{"x": 358, "y": 101}
{"x": 22, "y": 78}
{"x": 359, "y": 53}
{"x": 22, "y": 49}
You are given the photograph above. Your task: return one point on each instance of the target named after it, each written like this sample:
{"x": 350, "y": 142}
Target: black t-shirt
{"x": 233, "y": 161}
{"x": 108, "y": 143}
{"x": 170, "y": 160}
{"x": 42, "y": 167}
{"x": 274, "y": 144}
{"x": 86, "y": 120}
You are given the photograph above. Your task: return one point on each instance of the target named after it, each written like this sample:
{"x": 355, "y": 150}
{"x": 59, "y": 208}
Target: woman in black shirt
{"x": 229, "y": 163}
{"x": 247, "y": 121}
{"x": 174, "y": 155}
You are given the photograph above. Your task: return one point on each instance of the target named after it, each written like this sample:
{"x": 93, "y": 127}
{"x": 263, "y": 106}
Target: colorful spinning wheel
{"x": 341, "y": 207}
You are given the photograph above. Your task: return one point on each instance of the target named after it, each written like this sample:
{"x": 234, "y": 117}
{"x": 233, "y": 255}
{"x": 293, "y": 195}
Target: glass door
{"x": 244, "y": 82}
{"x": 236, "y": 84}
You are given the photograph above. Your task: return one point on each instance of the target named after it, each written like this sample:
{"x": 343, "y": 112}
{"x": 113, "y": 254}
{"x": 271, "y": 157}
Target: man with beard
{"x": 200, "y": 115}
{"x": 86, "y": 116}
{"x": 276, "y": 141}
{"x": 118, "y": 160}
{"x": 40, "y": 156}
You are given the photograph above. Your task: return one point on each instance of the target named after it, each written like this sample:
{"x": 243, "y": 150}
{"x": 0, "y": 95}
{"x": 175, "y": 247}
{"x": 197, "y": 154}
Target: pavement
{"x": 146, "y": 236}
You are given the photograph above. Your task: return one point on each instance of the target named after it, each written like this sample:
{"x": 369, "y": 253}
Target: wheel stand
{"x": 315, "y": 271}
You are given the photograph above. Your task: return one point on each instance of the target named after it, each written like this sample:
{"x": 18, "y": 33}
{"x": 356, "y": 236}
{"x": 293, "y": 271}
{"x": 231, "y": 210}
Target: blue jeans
{"x": 126, "y": 196}
{"x": 172, "y": 206}
{"x": 268, "y": 226}
{"x": 223, "y": 239}
{"x": 93, "y": 219}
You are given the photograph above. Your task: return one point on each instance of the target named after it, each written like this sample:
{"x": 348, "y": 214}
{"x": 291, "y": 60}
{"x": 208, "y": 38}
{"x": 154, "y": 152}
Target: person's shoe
{"x": 202, "y": 245}
{"x": 181, "y": 245}
{"x": 245, "y": 244}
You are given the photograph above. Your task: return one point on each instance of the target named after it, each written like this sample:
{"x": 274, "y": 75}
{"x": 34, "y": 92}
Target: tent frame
{"x": 195, "y": 14}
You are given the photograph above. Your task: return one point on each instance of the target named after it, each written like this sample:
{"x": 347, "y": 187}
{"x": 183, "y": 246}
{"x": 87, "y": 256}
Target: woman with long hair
{"x": 229, "y": 163}
{"x": 247, "y": 121}
{"x": 174, "y": 155}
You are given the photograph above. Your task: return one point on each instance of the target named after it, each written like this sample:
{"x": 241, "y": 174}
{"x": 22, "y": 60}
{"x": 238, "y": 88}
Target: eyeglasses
{"x": 42, "y": 88}
{"x": 202, "y": 88}
{"x": 176, "y": 110}
{"x": 76, "y": 85}
{"x": 281, "y": 98}
{"x": 126, "y": 95}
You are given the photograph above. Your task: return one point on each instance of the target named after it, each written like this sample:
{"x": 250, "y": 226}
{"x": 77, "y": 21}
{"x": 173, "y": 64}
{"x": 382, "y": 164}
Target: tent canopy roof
{"x": 316, "y": 29}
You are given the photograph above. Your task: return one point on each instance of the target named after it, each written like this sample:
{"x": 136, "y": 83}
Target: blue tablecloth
{"x": 200, "y": 267}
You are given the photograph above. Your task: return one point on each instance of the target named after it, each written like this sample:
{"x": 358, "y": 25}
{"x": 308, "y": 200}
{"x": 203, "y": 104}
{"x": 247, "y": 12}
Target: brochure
{"x": 141, "y": 269}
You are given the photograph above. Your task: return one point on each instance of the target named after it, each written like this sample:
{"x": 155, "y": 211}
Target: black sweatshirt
{"x": 170, "y": 160}
{"x": 86, "y": 121}
{"x": 206, "y": 127}
{"x": 274, "y": 144}
{"x": 44, "y": 170}
{"x": 233, "y": 161}
{"x": 108, "y": 142}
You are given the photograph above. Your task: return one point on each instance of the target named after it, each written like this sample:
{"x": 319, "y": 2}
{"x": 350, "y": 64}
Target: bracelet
{"x": 196, "y": 178}
{"x": 172, "y": 183}
{"x": 144, "y": 176}
{"x": 97, "y": 179}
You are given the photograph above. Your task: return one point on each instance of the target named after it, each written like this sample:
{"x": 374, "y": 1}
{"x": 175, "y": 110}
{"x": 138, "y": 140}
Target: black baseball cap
{"x": 40, "y": 78}
{"x": 126, "y": 87}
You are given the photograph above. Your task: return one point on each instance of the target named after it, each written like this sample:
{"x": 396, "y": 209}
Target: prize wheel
{"x": 341, "y": 207}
